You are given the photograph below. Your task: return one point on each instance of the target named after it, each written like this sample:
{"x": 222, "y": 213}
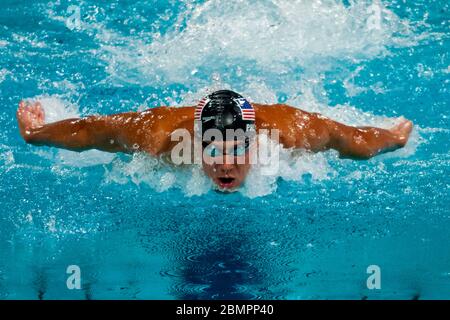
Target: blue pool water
{"x": 141, "y": 230}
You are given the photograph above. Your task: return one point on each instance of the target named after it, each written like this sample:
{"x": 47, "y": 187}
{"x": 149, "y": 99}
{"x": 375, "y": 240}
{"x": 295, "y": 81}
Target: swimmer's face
{"x": 226, "y": 163}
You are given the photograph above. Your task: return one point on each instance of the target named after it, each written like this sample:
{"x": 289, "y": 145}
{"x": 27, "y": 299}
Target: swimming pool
{"x": 139, "y": 230}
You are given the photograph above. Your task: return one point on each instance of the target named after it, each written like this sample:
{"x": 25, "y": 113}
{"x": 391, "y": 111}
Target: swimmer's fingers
{"x": 38, "y": 111}
{"x": 22, "y": 118}
{"x": 22, "y": 111}
{"x": 22, "y": 108}
{"x": 30, "y": 115}
{"x": 402, "y": 130}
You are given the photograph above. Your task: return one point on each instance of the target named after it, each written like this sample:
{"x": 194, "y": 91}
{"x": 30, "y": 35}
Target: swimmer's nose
{"x": 225, "y": 168}
{"x": 229, "y": 160}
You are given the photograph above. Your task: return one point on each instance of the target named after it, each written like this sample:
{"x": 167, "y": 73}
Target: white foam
{"x": 56, "y": 109}
{"x": 3, "y": 74}
{"x": 292, "y": 165}
{"x": 7, "y": 158}
{"x": 83, "y": 159}
{"x": 275, "y": 36}
{"x": 143, "y": 169}
{"x": 29, "y": 40}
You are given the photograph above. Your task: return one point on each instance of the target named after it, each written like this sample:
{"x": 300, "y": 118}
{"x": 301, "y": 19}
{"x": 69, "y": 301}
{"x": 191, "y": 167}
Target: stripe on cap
{"x": 198, "y": 110}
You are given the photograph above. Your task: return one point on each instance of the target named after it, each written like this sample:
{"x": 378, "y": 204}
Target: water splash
{"x": 261, "y": 49}
{"x": 154, "y": 172}
{"x": 272, "y": 37}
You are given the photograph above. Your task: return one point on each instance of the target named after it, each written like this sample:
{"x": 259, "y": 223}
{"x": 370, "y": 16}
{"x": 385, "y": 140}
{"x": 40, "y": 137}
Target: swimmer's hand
{"x": 30, "y": 116}
{"x": 402, "y": 131}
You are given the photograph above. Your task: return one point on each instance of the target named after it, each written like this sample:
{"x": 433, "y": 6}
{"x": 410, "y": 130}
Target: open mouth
{"x": 226, "y": 182}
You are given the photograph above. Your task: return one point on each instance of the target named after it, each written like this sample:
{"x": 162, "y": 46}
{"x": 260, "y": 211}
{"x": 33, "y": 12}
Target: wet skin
{"x": 150, "y": 131}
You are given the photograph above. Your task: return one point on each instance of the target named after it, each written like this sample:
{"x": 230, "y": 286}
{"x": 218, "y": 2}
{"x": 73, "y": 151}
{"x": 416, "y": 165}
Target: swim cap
{"x": 225, "y": 109}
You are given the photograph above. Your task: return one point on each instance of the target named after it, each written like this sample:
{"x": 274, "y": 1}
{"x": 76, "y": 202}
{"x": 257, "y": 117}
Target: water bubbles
{"x": 167, "y": 180}
{"x": 239, "y": 71}
{"x": 3, "y": 74}
{"x": 215, "y": 77}
{"x": 51, "y": 224}
{"x": 29, "y": 218}
{"x": 424, "y": 71}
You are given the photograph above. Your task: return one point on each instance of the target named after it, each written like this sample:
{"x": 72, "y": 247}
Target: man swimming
{"x": 151, "y": 131}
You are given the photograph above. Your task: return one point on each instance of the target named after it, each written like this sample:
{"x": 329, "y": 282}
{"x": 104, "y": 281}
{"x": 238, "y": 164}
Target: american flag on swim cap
{"x": 248, "y": 113}
{"x": 198, "y": 110}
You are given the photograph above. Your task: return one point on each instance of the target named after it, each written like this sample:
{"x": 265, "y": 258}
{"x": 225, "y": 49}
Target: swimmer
{"x": 150, "y": 131}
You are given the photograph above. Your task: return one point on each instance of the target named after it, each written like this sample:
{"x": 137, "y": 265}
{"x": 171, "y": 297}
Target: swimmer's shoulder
{"x": 167, "y": 119}
{"x": 167, "y": 111}
{"x": 168, "y": 116}
{"x": 271, "y": 114}
{"x": 158, "y": 123}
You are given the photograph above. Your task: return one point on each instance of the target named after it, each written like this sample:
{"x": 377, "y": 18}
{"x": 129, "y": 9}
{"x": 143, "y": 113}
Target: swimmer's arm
{"x": 123, "y": 132}
{"x": 364, "y": 142}
{"x": 105, "y": 133}
{"x": 312, "y": 131}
